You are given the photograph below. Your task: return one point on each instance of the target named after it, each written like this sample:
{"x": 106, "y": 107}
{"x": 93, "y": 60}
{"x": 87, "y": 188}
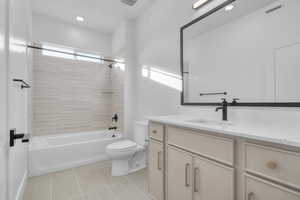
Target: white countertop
{"x": 260, "y": 132}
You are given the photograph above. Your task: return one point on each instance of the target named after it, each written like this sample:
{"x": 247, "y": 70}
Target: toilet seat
{"x": 122, "y": 146}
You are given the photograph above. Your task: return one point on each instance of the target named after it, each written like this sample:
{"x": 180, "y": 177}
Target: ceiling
{"x": 102, "y": 15}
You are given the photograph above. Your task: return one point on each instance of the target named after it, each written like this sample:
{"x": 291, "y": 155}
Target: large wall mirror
{"x": 249, "y": 50}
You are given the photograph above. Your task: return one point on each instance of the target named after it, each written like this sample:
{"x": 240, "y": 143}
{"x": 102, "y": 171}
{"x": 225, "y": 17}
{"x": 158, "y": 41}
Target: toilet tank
{"x": 140, "y": 132}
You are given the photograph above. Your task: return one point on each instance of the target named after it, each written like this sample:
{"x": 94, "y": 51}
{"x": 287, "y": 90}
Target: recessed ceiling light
{"x": 229, "y": 7}
{"x": 200, "y": 3}
{"x": 80, "y": 19}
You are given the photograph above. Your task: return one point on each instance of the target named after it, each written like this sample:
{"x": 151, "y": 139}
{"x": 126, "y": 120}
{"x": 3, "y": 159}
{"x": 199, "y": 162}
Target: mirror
{"x": 246, "y": 49}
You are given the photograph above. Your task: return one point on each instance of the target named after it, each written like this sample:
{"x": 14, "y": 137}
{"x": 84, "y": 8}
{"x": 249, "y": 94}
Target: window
{"x": 68, "y": 53}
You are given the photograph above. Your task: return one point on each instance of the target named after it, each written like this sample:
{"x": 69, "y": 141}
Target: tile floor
{"x": 90, "y": 182}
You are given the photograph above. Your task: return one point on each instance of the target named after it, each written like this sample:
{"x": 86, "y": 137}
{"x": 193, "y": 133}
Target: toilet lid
{"x": 123, "y": 145}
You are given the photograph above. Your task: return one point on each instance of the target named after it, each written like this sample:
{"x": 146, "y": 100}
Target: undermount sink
{"x": 210, "y": 122}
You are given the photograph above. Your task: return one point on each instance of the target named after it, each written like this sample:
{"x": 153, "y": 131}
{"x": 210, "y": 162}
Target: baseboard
{"x": 22, "y": 187}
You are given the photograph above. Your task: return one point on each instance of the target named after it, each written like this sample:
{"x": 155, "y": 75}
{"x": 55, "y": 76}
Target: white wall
{"x": 124, "y": 45}
{"x": 46, "y": 29}
{"x": 158, "y": 45}
{"x": 3, "y": 72}
{"x": 3, "y": 101}
{"x": 130, "y": 84}
{"x": 18, "y": 36}
{"x": 119, "y": 40}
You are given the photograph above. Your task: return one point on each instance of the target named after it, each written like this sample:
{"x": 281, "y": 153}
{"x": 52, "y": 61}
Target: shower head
{"x": 129, "y": 2}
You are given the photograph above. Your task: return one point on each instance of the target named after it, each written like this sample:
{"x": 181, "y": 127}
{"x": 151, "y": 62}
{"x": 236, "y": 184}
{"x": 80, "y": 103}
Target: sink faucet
{"x": 224, "y": 109}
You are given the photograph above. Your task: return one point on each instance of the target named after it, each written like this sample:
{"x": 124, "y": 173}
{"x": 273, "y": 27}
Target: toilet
{"x": 129, "y": 156}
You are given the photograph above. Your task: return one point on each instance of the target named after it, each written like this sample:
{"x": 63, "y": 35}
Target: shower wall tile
{"x": 71, "y": 96}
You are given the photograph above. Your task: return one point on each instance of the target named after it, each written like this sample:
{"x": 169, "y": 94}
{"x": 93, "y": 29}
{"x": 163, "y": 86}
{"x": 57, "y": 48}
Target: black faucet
{"x": 115, "y": 118}
{"x": 112, "y": 128}
{"x": 235, "y": 101}
{"x": 224, "y": 109}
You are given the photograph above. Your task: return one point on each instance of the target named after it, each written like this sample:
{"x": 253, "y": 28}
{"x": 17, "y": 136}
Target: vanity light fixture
{"x": 79, "y": 18}
{"x": 200, "y": 3}
{"x": 229, "y": 7}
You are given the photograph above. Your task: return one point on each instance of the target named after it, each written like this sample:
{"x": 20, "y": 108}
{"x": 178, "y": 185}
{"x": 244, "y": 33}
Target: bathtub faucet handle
{"x": 112, "y": 128}
{"x": 115, "y": 118}
{"x": 26, "y": 138}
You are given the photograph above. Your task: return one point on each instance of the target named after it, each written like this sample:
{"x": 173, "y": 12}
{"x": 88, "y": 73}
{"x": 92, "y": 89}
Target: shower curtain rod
{"x": 75, "y": 54}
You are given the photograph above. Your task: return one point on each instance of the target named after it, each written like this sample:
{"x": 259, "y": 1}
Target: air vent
{"x": 129, "y": 2}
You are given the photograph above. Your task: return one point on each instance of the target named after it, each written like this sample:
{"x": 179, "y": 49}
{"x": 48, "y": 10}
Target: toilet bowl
{"x": 129, "y": 156}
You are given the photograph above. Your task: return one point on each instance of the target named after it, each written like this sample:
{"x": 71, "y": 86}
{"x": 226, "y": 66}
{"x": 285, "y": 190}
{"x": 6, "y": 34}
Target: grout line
{"x": 139, "y": 189}
{"x": 51, "y": 187}
{"x": 82, "y": 195}
{"x": 109, "y": 188}
{"x": 112, "y": 192}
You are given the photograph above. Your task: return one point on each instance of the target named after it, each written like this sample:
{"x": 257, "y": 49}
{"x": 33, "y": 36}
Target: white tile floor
{"x": 90, "y": 182}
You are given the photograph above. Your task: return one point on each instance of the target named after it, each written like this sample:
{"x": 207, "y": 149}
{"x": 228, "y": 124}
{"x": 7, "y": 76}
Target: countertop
{"x": 247, "y": 131}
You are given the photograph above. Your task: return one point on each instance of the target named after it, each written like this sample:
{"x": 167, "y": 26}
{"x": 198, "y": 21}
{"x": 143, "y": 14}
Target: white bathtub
{"x": 58, "y": 152}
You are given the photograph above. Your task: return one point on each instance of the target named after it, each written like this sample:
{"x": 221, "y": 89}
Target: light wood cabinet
{"x": 259, "y": 189}
{"x": 156, "y": 131}
{"x": 186, "y": 164}
{"x": 156, "y": 170}
{"x": 279, "y": 165}
{"x": 192, "y": 177}
{"x": 212, "y": 180}
{"x": 179, "y": 175}
{"x": 203, "y": 144}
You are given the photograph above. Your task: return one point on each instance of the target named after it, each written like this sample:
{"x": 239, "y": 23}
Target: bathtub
{"x": 53, "y": 153}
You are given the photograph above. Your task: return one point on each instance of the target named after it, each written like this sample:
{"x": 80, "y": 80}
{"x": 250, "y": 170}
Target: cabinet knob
{"x": 272, "y": 165}
{"x": 154, "y": 131}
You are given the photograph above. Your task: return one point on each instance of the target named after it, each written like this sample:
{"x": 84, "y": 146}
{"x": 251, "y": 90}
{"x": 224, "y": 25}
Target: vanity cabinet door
{"x": 156, "y": 170}
{"x": 212, "y": 180}
{"x": 256, "y": 189}
{"x": 179, "y": 174}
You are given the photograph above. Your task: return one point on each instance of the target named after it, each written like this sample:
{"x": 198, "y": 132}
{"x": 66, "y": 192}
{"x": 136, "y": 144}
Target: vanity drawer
{"x": 256, "y": 188}
{"x": 216, "y": 148}
{"x": 156, "y": 131}
{"x": 279, "y": 165}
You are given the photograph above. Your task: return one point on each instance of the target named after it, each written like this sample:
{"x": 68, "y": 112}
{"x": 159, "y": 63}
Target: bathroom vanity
{"x": 212, "y": 160}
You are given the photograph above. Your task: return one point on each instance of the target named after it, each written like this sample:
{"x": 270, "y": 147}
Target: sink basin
{"x": 210, "y": 122}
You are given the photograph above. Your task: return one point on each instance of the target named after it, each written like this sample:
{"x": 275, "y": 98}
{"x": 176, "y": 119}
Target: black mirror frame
{"x": 249, "y": 104}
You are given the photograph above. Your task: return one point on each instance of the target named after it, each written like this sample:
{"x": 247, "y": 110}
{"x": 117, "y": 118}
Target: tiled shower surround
{"x": 71, "y": 96}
